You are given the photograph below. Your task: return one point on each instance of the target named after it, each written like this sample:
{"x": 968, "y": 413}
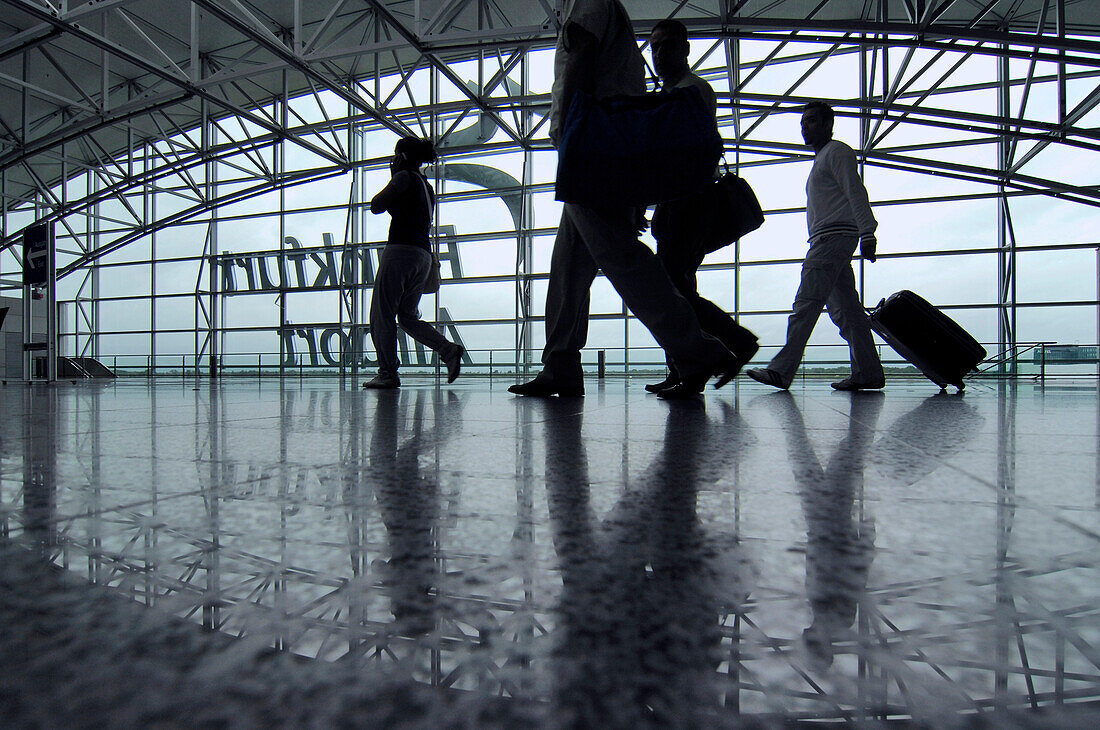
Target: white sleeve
{"x": 847, "y": 177}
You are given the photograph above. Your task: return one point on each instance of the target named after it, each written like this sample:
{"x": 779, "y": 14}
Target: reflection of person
{"x": 926, "y": 438}
{"x": 408, "y": 503}
{"x": 639, "y": 636}
{"x": 839, "y": 218}
{"x": 405, "y": 264}
{"x": 597, "y": 54}
{"x": 680, "y": 226}
{"x": 839, "y": 544}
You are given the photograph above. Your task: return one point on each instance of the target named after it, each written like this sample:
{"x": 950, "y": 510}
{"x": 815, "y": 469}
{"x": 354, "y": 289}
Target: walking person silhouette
{"x": 597, "y": 54}
{"x": 681, "y": 226}
{"x": 405, "y": 264}
{"x": 839, "y": 218}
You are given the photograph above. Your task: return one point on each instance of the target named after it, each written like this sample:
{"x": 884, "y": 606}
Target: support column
{"x": 1006, "y": 240}
{"x": 151, "y": 216}
{"x": 434, "y": 131}
{"x": 94, "y": 224}
{"x": 280, "y": 164}
{"x": 51, "y": 312}
{"x": 733, "y": 76}
{"x": 352, "y": 239}
{"x": 1061, "y": 29}
{"x": 524, "y": 242}
{"x": 209, "y": 138}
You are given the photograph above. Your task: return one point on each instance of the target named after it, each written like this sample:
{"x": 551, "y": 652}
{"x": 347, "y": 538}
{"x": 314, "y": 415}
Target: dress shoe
{"x": 726, "y": 370}
{"x": 767, "y": 377}
{"x": 546, "y": 388}
{"x": 849, "y": 384}
{"x": 680, "y": 391}
{"x": 668, "y": 382}
{"x": 454, "y": 363}
{"x": 383, "y": 382}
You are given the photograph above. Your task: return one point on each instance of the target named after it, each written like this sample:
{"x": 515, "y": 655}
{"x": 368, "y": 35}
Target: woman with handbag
{"x": 406, "y": 264}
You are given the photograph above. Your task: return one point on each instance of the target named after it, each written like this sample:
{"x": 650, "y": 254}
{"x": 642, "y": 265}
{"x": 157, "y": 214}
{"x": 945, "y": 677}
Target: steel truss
{"x": 112, "y": 106}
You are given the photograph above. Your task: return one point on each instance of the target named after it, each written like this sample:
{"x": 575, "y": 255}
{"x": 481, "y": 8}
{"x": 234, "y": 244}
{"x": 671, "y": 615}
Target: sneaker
{"x": 454, "y": 363}
{"x": 768, "y": 377}
{"x": 383, "y": 382}
{"x": 849, "y": 384}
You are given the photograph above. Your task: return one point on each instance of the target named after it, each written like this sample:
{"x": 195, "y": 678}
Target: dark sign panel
{"x": 37, "y": 250}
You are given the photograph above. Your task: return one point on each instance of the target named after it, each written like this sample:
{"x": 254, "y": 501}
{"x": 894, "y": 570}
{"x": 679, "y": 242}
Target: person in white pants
{"x": 839, "y": 218}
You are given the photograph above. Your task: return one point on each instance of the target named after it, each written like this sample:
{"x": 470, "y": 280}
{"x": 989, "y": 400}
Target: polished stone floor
{"x": 260, "y": 553}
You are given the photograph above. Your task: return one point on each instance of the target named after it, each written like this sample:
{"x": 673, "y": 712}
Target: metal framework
{"x": 123, "y": 119}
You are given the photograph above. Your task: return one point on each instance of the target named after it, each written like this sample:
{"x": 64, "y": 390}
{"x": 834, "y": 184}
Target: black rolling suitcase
{"x": 927, "y": 337}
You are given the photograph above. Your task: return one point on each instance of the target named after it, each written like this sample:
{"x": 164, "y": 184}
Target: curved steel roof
{"x": 83, "y": 82}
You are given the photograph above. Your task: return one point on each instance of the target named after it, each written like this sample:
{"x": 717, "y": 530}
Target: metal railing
{"x": 1025, "y": 359}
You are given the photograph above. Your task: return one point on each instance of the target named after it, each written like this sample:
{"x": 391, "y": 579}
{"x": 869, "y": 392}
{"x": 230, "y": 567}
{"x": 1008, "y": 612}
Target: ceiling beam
{"x": 261, "y": 36}
{"x": 184, "y": 83}
{"x": 444, "y": 70}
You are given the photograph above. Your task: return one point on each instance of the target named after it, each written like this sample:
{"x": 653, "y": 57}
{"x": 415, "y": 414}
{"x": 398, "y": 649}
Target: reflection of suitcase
{"x": 927, "y": 337}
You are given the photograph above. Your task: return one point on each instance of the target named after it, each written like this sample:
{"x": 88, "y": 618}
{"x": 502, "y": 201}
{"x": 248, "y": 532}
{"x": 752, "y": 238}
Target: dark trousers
{"x": 590, "y": 240}
{"x": 395, "y": 301}
{"x": 679, "y": 228}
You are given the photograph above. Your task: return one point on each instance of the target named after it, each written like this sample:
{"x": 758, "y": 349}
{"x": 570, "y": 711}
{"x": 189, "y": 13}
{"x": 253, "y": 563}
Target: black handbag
{"x": 637, "y": 150}
{"x": 435, "y": 277}
{"x": 733, "y": 210}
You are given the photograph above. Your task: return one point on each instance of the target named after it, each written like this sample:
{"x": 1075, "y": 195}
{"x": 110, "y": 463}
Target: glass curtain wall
{"x": 278, "y": 277}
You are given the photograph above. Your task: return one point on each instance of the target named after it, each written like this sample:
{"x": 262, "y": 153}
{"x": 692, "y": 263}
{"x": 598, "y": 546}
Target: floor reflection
{"x": 840, "y": 535}
{"x": 639, "y": 639}
{"x": 40, "y": 469}
{"x": 408, "y": 503}
{"x": 613, "y": 560}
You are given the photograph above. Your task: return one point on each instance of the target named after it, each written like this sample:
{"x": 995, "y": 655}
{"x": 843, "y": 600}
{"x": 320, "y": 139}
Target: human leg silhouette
{"x": 612, "y": 245}
{"x": 825, "y": 263}
{"x": 847, "y": 312}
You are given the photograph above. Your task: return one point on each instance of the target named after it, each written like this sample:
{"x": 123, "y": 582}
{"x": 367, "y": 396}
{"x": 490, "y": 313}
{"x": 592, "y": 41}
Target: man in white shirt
{"x": 839, "y": 218}
{"x": 597, "y": 54}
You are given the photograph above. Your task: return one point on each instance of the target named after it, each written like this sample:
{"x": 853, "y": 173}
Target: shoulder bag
{"x": 435, "y": 275}
{"x": 637, "y": 150}
{"x": 734, "y": 211}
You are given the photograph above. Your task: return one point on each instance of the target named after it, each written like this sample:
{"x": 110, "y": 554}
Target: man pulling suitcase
{"x": 839, "y": 218}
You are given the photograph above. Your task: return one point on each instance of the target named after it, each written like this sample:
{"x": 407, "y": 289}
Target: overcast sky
{"x": 1042, "y": 277}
